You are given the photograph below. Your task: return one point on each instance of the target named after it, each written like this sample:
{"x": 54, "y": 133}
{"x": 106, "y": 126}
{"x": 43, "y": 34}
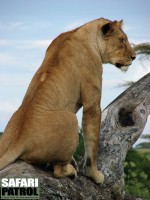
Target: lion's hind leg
{"x": 61, "y": 170}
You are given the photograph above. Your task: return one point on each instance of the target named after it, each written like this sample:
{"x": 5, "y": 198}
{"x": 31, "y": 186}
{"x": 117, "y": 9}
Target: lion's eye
{"x": 122, "y": 40}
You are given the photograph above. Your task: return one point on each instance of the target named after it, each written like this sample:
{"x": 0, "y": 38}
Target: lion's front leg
{"x": 91, "y": 127}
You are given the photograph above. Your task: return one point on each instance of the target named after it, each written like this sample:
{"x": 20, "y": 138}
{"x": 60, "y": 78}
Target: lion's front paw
{"x": 96, "y": 175}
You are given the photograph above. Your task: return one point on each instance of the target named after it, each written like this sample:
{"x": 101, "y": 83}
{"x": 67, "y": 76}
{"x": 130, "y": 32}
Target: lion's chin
{"x": 124, "y": 68}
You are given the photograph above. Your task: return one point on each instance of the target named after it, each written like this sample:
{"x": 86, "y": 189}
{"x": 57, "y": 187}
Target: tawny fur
{"x": 45, "y": 127}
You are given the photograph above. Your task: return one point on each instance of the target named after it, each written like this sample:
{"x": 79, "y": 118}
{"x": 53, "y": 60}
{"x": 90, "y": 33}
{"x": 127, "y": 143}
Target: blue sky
{"x": 28, "y": 26}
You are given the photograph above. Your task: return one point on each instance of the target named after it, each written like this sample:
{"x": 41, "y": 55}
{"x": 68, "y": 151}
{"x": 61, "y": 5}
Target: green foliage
{"x": 143, "y": 48}
{"x": 80, "y": 149}
{"x": 143, "y": 145}
{"x": 146, "y": 136}
{"x": 137, "y": 174}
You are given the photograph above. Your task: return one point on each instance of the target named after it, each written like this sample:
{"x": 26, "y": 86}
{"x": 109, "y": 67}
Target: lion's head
{"x": 115, "y": 46}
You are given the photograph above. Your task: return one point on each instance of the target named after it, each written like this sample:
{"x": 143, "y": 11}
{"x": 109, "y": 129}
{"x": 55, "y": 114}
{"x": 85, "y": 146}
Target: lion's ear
{"x": 120, "y": 24}
{"x": 109, "y": 28}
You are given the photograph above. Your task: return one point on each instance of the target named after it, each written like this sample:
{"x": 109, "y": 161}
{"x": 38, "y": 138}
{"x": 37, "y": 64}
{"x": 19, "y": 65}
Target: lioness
{"x": 45, "y": 128}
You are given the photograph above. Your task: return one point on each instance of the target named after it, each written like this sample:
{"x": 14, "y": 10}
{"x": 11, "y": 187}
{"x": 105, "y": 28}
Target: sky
{"x": 27, "y": 27}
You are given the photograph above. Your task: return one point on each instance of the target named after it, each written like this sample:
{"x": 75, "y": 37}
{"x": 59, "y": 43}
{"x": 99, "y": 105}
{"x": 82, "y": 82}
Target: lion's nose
{"x": 133, "y": 57}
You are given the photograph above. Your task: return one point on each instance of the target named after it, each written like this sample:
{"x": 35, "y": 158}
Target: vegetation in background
{"x": 144, "y": 145}
{"x": 79, "y": 153}
{"x": 142, "y": 49}
{"x": 137, "y": 173}
{"x": 137, "y": 169}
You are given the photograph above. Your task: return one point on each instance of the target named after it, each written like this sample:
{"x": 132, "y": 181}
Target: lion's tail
{"x": 10, "y": 147}
{"x": 10, "y": 155}
{"x": 5, "y": 141}
{"x": 11, "y": 132}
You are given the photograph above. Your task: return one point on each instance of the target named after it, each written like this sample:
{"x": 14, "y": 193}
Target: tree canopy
{"x": 142, "y": 49}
